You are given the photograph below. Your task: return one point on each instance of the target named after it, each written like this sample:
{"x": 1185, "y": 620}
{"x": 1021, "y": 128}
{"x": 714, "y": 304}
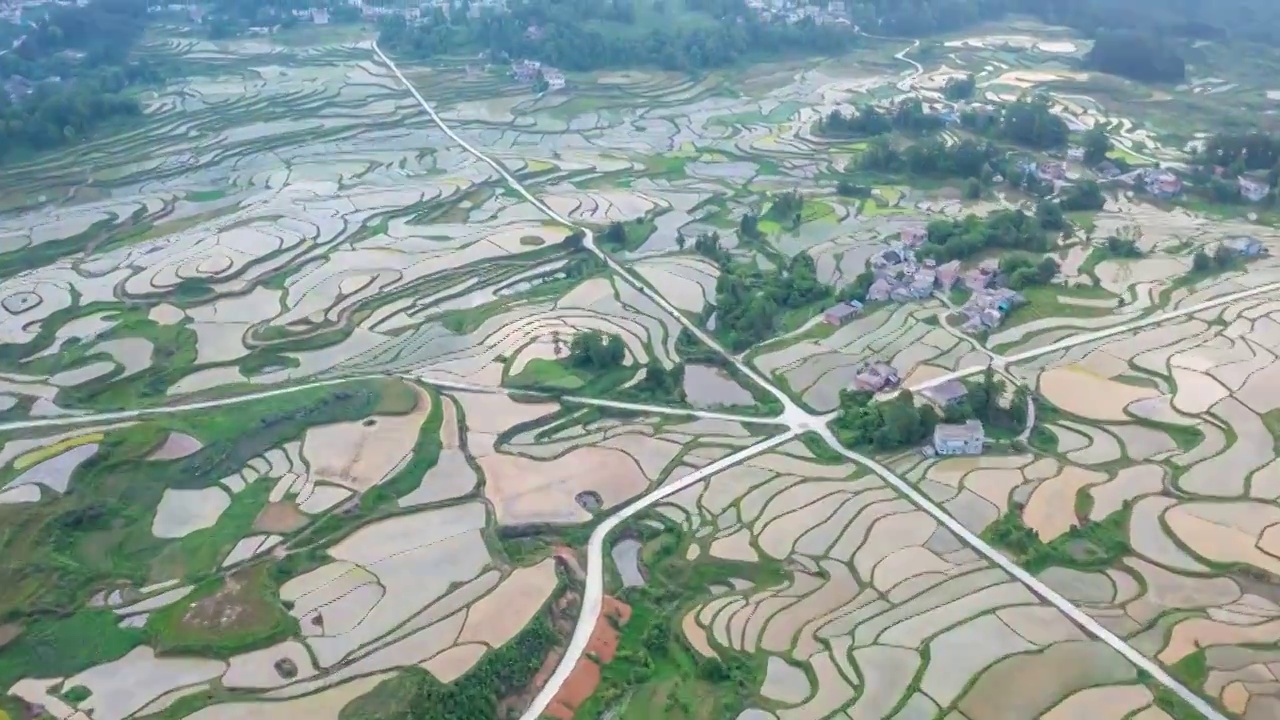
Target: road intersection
{"x": 796, "y": 419}
{"x": 799, "y": 421}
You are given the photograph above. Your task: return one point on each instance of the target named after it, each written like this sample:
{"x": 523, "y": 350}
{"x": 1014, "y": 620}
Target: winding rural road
{"x": 799, "y": 421}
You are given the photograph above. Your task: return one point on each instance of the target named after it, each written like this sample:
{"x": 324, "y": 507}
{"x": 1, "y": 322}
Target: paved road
{"x": 1045, "y": 592}
{"x": 792, "y": 413}
{"x": 600, "y": 402}
{"x": 1083, "y": 338}
{"x": 593, "y": 595}
{"x": 799, "y": 421}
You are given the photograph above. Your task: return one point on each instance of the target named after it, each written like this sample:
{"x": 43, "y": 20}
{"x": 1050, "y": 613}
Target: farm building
{"x": 1245, "y": 246}
{"x": 838, "y": 315}
{"x": 959, "y": 439}
{"x": 947, "y": 394}
{"x": 1253, "y": 190}
{"x": 875, "y": 377}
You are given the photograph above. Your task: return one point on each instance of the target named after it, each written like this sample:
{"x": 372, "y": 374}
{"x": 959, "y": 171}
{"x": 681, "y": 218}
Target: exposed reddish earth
{"x": 586, "y": 674}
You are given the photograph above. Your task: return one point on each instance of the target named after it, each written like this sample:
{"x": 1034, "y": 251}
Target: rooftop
{"x": 948, "y": 391}
{"x": 962, "y": 432}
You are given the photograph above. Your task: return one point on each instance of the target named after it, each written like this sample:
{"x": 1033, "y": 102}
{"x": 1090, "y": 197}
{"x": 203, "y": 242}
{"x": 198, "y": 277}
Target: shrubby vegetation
{"x": 77, "y": 66}
{"x": 1087, "y": 546}
{"x": 654, "y": 668}
{"x": 413, "y": 694}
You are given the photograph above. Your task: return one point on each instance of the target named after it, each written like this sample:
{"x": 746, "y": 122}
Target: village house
{"x": 874, "y": 377}
{"x": 965, "y": 438}
{"x": 1107, "y": 170}
{"x": 987, "y": 308}
{"x": 1163, "y": 184}
{"x": 526, "y": 71}
{"x": 948, "y": 274}
{"x": 946, "y": 394}
{"x": 838, "y": 315}
{"x": 554, "y": 78}
{"x": 879, "y": 290}
{"x": 913, "y": 236}
{"x": 1075, "y": 153}
{"x": 1245, "y": 246}
{"x": 1253, "y": 190}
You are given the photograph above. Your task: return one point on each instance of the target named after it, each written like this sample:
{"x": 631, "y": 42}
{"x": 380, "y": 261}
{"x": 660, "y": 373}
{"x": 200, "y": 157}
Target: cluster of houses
{"x": 1165, "y": 184}
{"x": 794, "y": 11}
{"x": 527, "y": 71}
{"x": 899, "y": 276}
{"x": 989, "y": 301}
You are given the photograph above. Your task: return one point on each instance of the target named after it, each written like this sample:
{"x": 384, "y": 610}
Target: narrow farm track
{"x": 120, "y": 415}
{"x": 799, "y": 421}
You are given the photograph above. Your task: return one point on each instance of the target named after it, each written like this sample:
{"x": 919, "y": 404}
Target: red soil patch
{"x": 600, "y": 649}
{"x": 569, "y": 559}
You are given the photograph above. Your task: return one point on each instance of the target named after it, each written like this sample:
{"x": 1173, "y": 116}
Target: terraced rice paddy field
{"x": 882, "y": 612}
{"x": 412, "y": 535}
{"x": 284, "y": 571}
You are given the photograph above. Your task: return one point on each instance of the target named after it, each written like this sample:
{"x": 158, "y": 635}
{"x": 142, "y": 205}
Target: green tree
{"x": 1201, "y": 262}
{"x": 1096, "y": 146}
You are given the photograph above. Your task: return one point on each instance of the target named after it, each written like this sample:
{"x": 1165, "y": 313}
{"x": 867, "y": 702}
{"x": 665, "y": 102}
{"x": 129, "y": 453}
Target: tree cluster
{"x": 1003, "y": 229}
{"x": 77, "y": 65}
{"x": 1136, "y": 55}
{"x": 500, "y": 674}
{"x": 888, "y": 425}
{"x": 866, "y": 121}
{"x": 230, "y": 18}
{"x": 1222, "y": 259}
{"x": 1027, "y": 121}
{"x": 785, "y": 209}
{"x": 1096, "y": 145}
{"x": 751, "y": 299}
{"x": 1241, "y": 152}
{"x": 931, "y": 158}
{"x": 1086, "y": 195}
{"x": 960, "y": 88}
{"x": 1023, "y": 270}
{"x": 983, "y": 403}
{"x": 909, "y": 117}
{"x": 594, "y": 350}
{"x": 584, "y": 35}
{"x": 1118, "y": 247}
